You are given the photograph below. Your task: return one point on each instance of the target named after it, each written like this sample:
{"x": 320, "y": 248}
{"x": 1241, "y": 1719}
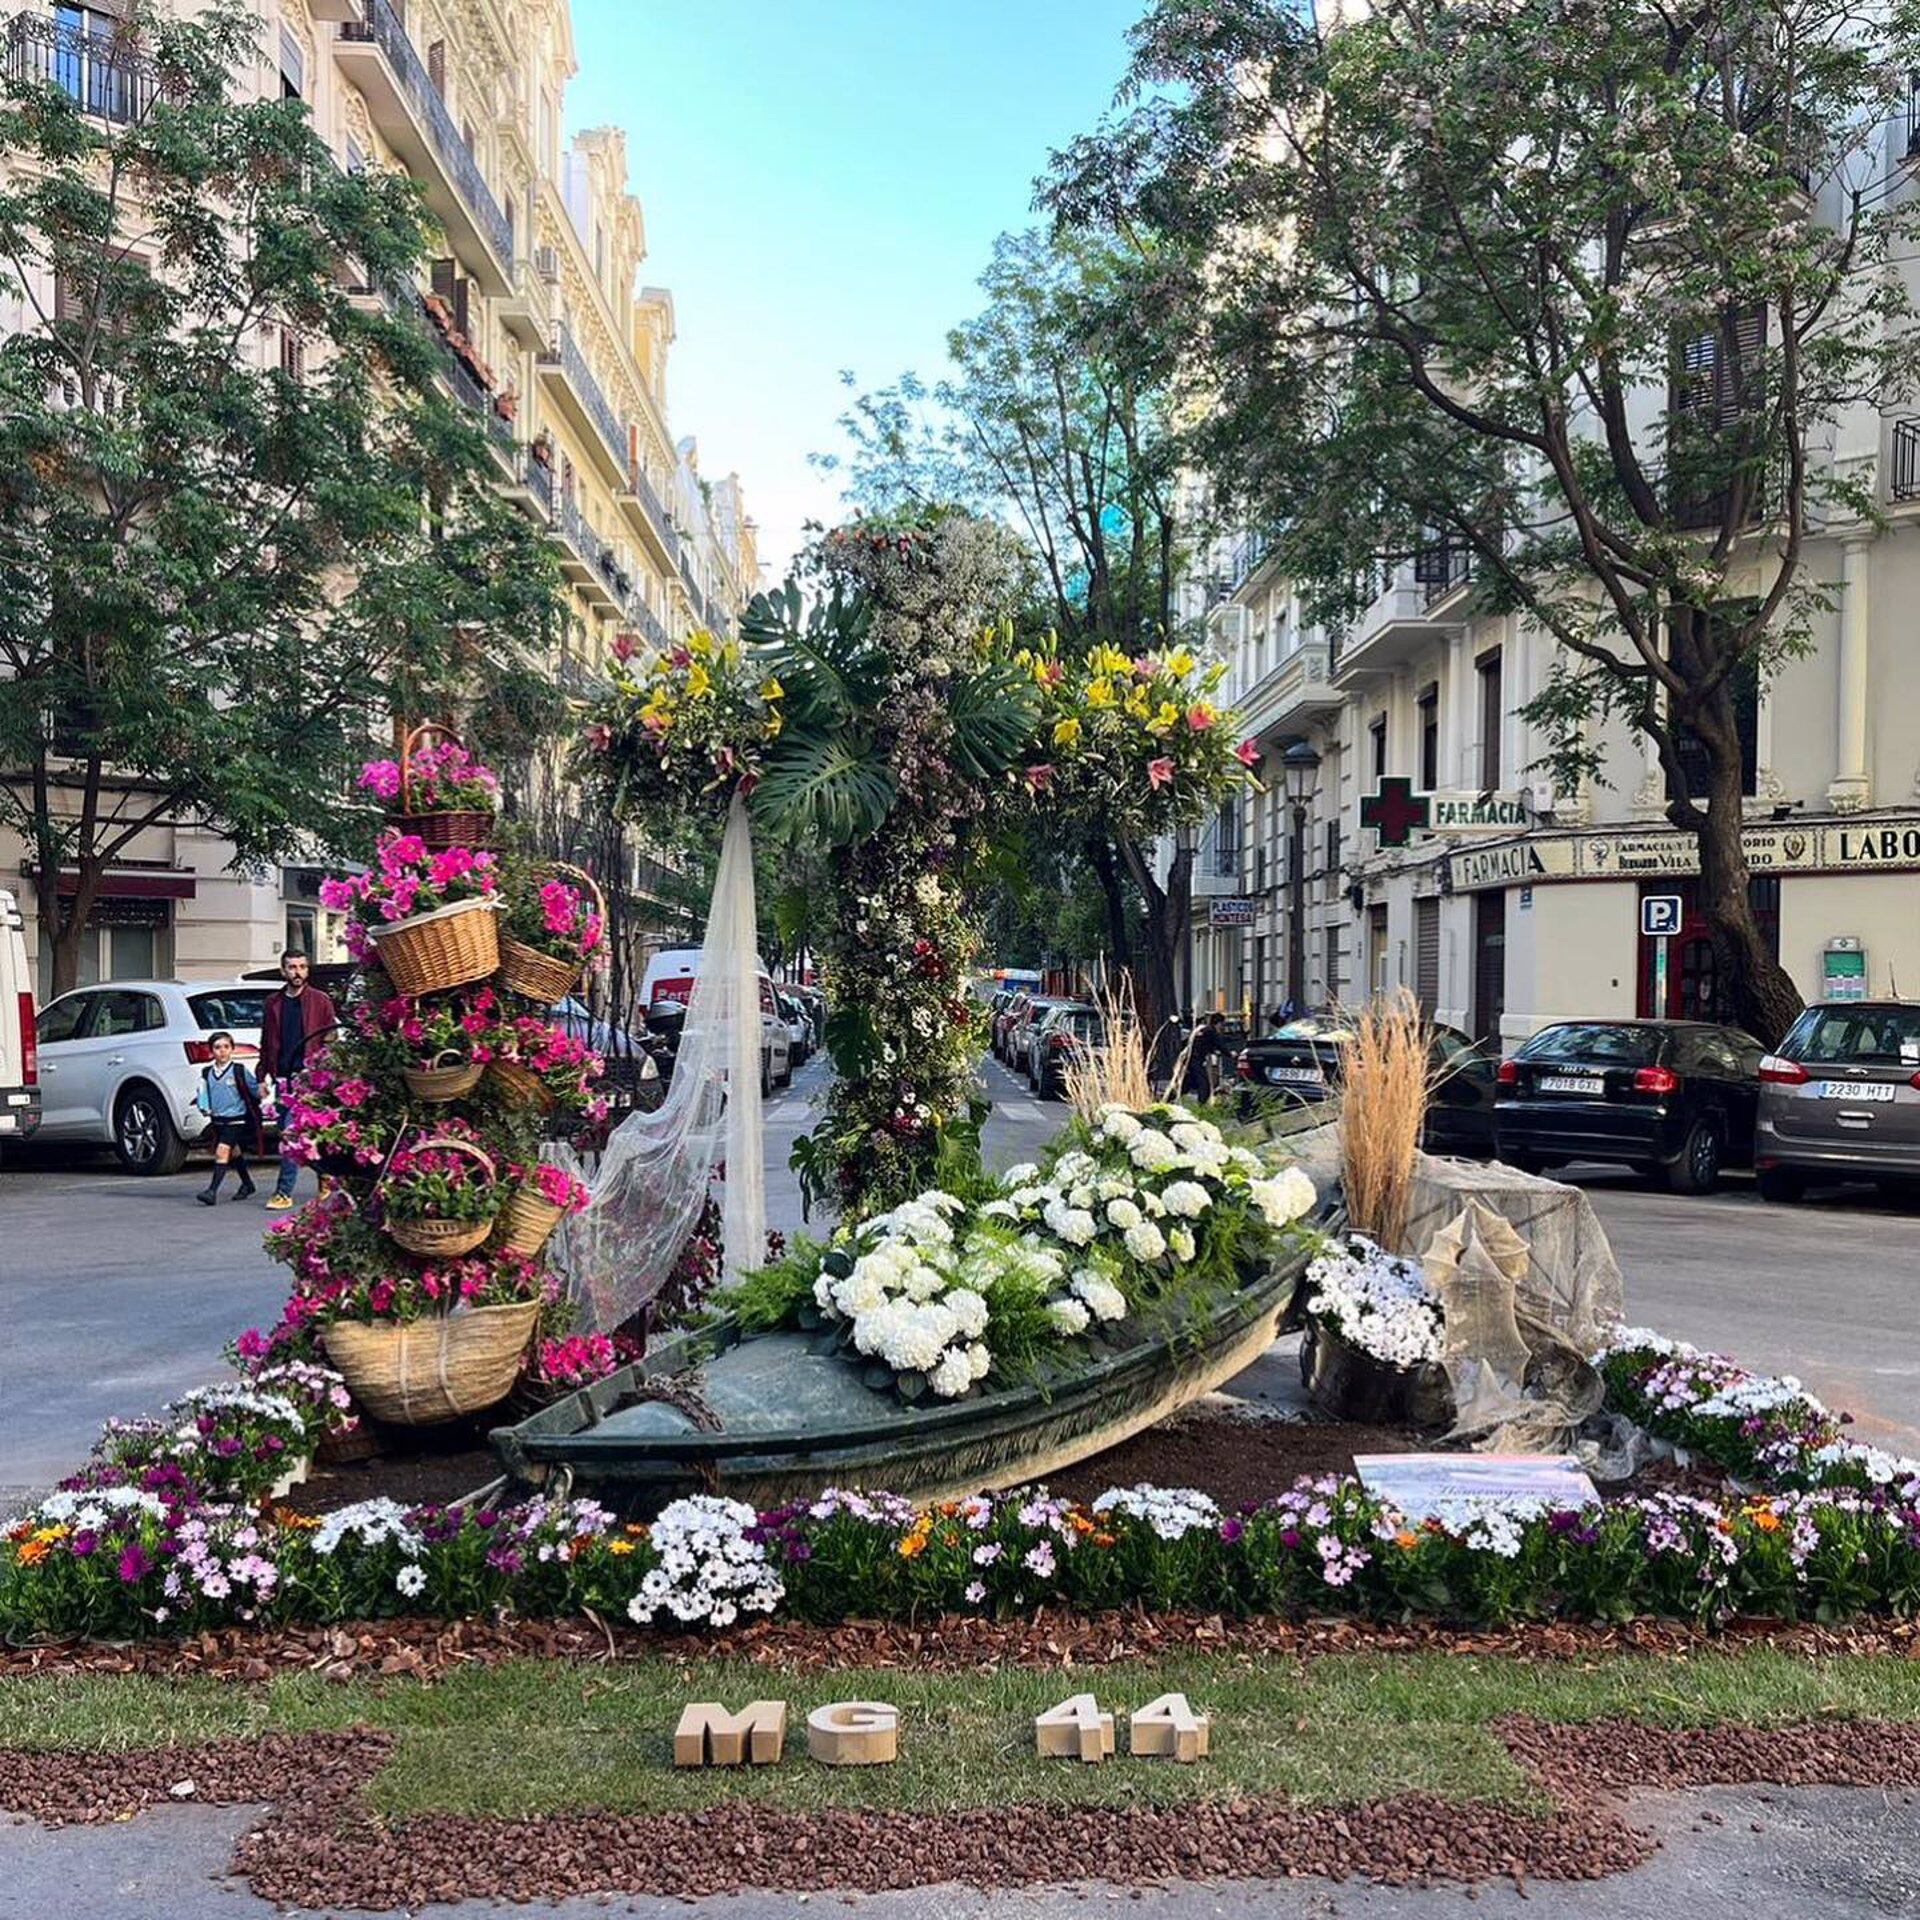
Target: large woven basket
{"x": 457, "y": 827}
{"x": 450, "y": 1075}
{"x": 417, "y": 1372}
{"x": 445, "y": 948}
{"x": 527, "y": 1223}
{"x": 519, "y": 1086}
{"x": 444, "y": 1239}
{"x": 539, "y": 976}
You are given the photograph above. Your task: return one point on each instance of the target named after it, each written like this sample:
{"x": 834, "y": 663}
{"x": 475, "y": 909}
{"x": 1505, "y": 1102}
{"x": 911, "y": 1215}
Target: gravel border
{"x": 321, "y": 1846}
{"x": 1042, "y": 1639}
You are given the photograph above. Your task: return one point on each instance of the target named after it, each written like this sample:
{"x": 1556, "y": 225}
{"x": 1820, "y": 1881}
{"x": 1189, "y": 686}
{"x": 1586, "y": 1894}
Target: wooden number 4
{"x": 1168, "y": 1729}
{"x": 1075, "y": 1729}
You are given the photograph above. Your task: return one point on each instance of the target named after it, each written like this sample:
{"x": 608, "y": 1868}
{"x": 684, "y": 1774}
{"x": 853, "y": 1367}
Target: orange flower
{"x": 619, "y": 1548}
{"x": 1079, "y": 1523}
{"x": 32, "y": 1552}
{"x": 1104, "y": 1539}
{"x": 297, "y": 1522}
{"x": 20, "y": 1532}
{"x": 1766, "y": 1520}
{"x": 913, "y": 1545}
{"x": 1406, "y": 1541}
{"x": 636, "y": 1529}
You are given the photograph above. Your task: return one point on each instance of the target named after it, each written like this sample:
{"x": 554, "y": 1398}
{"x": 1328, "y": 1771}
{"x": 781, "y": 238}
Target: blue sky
{"x": 823, "y": 181}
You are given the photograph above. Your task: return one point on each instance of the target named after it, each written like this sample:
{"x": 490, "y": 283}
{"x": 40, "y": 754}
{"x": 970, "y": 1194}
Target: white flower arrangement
{"x": 1378, "y": 1302}
{"x": 1172, "y": 1512}
{"x": 710, "y": 1569}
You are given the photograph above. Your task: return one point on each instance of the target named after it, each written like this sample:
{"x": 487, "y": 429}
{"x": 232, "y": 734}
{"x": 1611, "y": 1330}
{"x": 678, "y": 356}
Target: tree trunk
{"x": 1106, "y": 868}
{"x": 64, "y": 922}
{"x": 1759, "y": 994}
{"x": 1167, "y": 911}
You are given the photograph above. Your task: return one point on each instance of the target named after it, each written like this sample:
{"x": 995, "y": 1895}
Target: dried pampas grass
{"x": 1386, "y": 1070}
{"x": 1113, "y": 1074}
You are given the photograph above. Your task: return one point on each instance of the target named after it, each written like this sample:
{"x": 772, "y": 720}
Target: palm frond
{"x": 827, "y": 787}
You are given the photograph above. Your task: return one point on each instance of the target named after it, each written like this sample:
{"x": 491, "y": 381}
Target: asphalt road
{"x": 116, "y": 1294}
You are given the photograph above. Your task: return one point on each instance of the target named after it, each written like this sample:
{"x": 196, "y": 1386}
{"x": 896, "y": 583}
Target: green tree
{"x": 239, "y": 521}
{"x": 1575, "y": 290}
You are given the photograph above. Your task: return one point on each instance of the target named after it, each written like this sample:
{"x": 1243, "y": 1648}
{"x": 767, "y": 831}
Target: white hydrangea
{"x": 1024, "y": 1175}
{"x": 1103, "y": 1299}
{"x": 1119, "y": 1124}
{"x": 1186, "y": 1199}
{"x": 1181, "y": 1243}
{"x": 1146, "y": 1241}
{"x": 1075, "y": 1225}
{"x": 1123, "y": 1214}
{"x": 1068, "y": 1316}
{"x": 1287, "y": 1197}
{"x": 1153, "y": 1152}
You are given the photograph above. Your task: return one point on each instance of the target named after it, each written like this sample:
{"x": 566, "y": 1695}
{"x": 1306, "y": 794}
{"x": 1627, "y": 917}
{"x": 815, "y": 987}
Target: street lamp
{"x": 1298, "y": 766}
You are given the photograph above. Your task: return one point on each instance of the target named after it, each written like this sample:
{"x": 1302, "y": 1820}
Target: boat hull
{"x": 796, "y": 1420}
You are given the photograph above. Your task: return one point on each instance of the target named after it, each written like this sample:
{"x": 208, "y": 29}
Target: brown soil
{"x": 321, "y": 1847}
{"x": 1237, "y": 1460}
{"x": 415, "y": 1479}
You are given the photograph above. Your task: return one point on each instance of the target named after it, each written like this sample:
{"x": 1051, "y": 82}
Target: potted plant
{"x": 543, "y": 1195}
{"x": 536, "y": 1064}
{"x": 436, "y": 789}
{"x": 551, "y": 930}
{"x": 431, "y": 917}
{"x": 440, "y": 1195}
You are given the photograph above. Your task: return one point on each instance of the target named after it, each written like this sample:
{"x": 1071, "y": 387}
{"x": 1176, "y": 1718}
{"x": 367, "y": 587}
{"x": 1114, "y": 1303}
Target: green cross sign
{"x": 1395, "y": 811}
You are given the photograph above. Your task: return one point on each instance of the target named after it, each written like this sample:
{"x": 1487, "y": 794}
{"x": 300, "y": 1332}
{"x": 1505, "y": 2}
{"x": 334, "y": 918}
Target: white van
{"x": 19, "y": 1048}
{"x": 668, "y": 983}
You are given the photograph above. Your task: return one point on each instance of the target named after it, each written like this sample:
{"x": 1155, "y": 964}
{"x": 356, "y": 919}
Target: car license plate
{"x": 1570, "y": 1083}
{"x": 1297, "y": 1076}
{"x": 1856, "y": 1090}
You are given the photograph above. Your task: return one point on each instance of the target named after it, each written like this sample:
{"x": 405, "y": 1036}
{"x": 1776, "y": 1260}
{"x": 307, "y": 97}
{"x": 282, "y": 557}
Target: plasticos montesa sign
{"x": 1853, "y": 846}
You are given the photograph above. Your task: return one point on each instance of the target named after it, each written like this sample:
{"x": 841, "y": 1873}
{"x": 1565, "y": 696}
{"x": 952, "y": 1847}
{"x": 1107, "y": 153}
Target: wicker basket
{"x": 527, "y": 1223}
{"x": 539, "y": 976}
{"x": 458, "y": 827}
{"x": 431, "y": 952}
{"x": 444, "y": 1239}
{"x": 414, "y": 1373}
{"x": 450, "y": 1075}
{"x": 519, "y": 1086}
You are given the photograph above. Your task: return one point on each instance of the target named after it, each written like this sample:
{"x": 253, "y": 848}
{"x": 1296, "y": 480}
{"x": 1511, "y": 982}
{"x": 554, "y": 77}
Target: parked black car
{"x": 1053, "y": 1043}
{"x": 1302, "y": 1060}
{"x": 1674, "y": 1098}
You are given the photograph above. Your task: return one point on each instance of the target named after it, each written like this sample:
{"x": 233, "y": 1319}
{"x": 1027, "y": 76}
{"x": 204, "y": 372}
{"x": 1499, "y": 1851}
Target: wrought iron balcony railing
{"x": 1438, "y": 569}
{"x": 655, "y": 511}
{"x": 566, "y": 355}
{"x": 1904, "y": 482}
{"x": 380, "y": 26}
{"x": 106, "y": 77}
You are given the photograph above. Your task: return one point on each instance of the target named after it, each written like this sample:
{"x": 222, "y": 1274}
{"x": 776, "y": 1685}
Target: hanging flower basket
{"x": 446, "y": 1077}
{"x": 414, "y": 1373}
{"x": 545, "y": 977}
{"x": 448, "y": 947}
{"x": 440, "y": 827}
{"x": 445, "y": 1239}
{"x": 519, "y": 1086}
{"x": 545, "y": 1195}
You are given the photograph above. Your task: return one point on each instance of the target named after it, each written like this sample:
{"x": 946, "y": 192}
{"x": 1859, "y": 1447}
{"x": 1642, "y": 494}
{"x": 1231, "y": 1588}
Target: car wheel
{"x": 144, "y": 1135}
{"x": 786, "y": 1079}
{"x": 1781, "y": 1185}
{"x": 1696, "y": 1167}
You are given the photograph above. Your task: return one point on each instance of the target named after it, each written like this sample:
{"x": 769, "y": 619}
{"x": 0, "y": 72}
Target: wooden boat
{"x": 773, "y": 1418}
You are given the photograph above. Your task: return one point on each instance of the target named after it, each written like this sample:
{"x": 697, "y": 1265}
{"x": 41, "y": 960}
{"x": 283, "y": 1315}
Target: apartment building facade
{"x": 548, "y": 335}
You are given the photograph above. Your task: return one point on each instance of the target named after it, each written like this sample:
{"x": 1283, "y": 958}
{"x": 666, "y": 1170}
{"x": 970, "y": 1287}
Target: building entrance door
{"x": 1489, "y": 963}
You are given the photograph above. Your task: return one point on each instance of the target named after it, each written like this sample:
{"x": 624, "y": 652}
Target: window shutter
{"x": 437, "y": 67}
{"x": 293, "y": 64}
{"x": 462, "y": 294}
{"x": 444, "y": 274}
{"x": 1426, "y": 955}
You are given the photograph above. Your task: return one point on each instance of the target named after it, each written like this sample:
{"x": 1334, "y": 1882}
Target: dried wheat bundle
{"x": 1113, "y": 1073}
{"x": 1386, "y": 1071}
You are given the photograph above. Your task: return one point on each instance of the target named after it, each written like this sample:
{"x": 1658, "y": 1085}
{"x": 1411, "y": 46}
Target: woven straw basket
{"x": 463, "y": 827}
{"x": 450, "y": 1075}
{"x": 539, "y": 976}
{"x": 527, "y": 1222}
{"x": 444, "y": 1239}
{"x": 413, "y": 1373}
{"x": 519, "y": 1086}
{"x": 445, "y": 948}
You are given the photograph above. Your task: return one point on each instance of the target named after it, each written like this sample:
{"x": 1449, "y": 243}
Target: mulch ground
{"x": 321, "y": 1846}
{"x": 426, "y": 1648}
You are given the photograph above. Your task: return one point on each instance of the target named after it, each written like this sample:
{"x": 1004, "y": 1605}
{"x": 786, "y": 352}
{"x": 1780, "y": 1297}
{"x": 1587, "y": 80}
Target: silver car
{"x": 120, "y": 1063}
{"x": 1840, "y": 1098}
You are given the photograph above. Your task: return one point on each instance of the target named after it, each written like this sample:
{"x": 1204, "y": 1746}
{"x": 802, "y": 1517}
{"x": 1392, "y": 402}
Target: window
{"x": 64, "y": 1019}
{"x": 1430, "y": 738}
{"x": 1492, "y": 721}
{"x": 293, "y": 67}
{"x": 1716, "y": 388}
{"x": 1332, "y": 860}
{"x": 293, "y": 354}
{"x": 237, "y": 1009}
{"x": 123, "y": 1013}
{"x": 1377, "y": 733}
{"x": 1333, "y": 964}
{"x": 437, "y": 67}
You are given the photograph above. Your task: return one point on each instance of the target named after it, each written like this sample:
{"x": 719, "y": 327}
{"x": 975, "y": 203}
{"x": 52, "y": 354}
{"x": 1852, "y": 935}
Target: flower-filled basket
{"x": 1373, "y": 1340}
{"x": 551, "y": 933}
{"x": 519, "y": 1085}
{"x": 447, "y": 1076}
{"x": 438, "y": 791}
{"x": 440, "y": 1196}
{"x": 544, "y": 1197}
{"x": 444, "y": 948}
{"x": 414, "y": 1373}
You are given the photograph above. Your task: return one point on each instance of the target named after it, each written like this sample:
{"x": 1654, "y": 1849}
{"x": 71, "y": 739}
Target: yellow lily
{"x": 1167, "y": 716}
{"x": 1137, "y": 702}
{"x": 1180, "y": 663}
{"x": 699, "y": 681}
{"x": 771, "y": 689}
{"x": 1066, "y": 732}
{"x": 775, "y": 721}
{"x": 1099, "y": 693}
{"x": 700, "y": 642}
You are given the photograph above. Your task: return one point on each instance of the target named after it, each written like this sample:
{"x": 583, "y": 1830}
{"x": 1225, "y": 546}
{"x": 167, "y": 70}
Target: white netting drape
{"x": 652, "y": 1179}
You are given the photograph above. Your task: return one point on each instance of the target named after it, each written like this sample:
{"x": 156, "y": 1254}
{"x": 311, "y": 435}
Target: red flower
{"x": 1247, "y": 753}
{"x": 1039, "y": 778}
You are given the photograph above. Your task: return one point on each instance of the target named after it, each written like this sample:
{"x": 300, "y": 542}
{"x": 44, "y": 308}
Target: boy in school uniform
{"x": 230, "y": 1098}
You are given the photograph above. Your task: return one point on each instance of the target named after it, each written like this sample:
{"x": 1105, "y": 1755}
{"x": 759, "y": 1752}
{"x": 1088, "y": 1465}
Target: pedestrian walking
{"x": 291, "y": 1029}
{"x": 1208, "y": 1046}
{"x": 230, "y": 1098}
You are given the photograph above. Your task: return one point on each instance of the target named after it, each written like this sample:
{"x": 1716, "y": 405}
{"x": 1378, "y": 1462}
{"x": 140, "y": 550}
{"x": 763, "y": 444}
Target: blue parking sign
{"x": 1659, "y": 914}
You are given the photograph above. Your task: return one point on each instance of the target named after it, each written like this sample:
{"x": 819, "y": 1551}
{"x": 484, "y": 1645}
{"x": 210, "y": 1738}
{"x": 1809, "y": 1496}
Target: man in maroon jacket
{"x": 292, "y": 1031}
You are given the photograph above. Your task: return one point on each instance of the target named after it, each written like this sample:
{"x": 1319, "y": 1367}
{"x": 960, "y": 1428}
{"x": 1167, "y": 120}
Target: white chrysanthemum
{"x": 1146, "y": 1241}
{"x": 1186, "y": 1199}
{"x": 1068, "y": 1316}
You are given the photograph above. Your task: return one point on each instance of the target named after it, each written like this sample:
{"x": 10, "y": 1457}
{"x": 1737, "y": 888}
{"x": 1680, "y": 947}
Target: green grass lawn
{"x": 535, "y": 1737}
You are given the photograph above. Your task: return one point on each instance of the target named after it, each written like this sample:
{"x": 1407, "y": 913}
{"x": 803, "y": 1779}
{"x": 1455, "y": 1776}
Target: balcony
{"x": 1442, "y": 570}
{"x": 1216, "y": 866}
{"x": 646, "y": 512}
{"x": 525, "y": 312}
{"x": 102, "y": 76}
{"x": 403, "y": 301}
{"x": 1903, "y": 480}
{"x": 1300, "y": 690}
{"x": 1397, "y": 624}
{"x": 579, "y": 396}
{"x": 375, "y": 54}
{"x": 531, "y": 487}
{"x": 643, "y": 618}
